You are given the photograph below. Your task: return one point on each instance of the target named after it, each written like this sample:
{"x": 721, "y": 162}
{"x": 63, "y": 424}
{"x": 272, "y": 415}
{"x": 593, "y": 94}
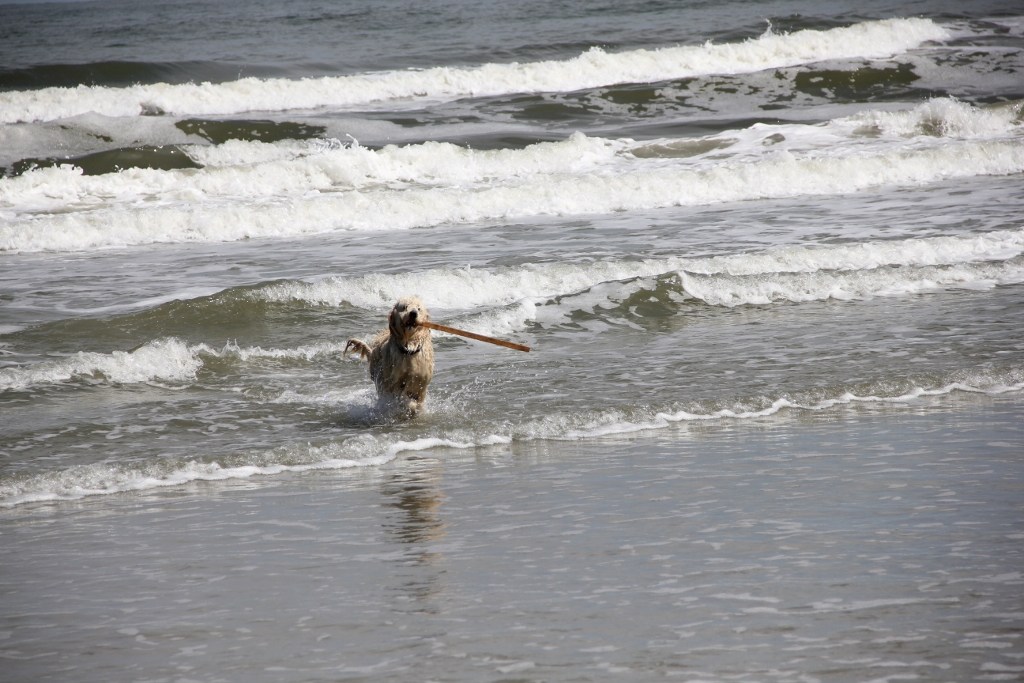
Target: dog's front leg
{"x": 360, "y": 346}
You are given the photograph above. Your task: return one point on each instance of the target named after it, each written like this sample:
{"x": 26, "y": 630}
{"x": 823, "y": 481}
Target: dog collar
{"x": 407, "y": 351}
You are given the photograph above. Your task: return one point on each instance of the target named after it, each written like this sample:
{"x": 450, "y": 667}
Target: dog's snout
{"x": 413, "y": 315}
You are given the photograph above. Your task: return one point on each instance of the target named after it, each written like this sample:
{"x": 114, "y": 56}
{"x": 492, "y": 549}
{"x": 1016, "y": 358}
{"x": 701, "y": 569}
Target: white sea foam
{"x": 865, "y": 268}
{"x": 335, "y": 168}
{"x": 503, "y": 301}
{"x": 783, "y": 175}
{"x": 373, "y": 451}
{"x": 460, "y": 288}
{"x": 305, "y": 352}
{"x": 998, "y": 245}
{"x": 103, "y": 479}
{"x": 162, "y": 360}
{"x": 432, "y": 163}
{"x": 942, "y": 117}
{"x": 926, "y": 123}
{"x": 614, "y": 423}
{"x": 720, "y": 290}
{"x": 257, "y": 170}
{"x": 253, "y": 152}
{"x": 170, "y": 360}
{"x": 872, "y": 39}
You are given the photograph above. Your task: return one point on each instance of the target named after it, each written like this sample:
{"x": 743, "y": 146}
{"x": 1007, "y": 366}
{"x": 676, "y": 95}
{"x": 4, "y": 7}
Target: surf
{"x": 376, "y": 450}
{"x": 593, "y": 68}
{"x": 506, "y": 300}
{"x": 785, "y": 175}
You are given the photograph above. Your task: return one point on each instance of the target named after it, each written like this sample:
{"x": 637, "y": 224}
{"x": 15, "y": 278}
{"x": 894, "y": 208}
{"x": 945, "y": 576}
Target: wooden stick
{"x": 474, "y": 335}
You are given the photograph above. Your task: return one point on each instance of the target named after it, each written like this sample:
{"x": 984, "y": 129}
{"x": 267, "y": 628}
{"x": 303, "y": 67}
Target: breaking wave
{"x": 507, "y": 300}
{"x": 783, "y": 175}
{"x": 596, "y": 67}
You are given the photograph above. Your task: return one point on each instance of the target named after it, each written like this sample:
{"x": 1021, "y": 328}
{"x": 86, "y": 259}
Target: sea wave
{"x": 260, "y": 170}
{"x": 168, "y": 360}
{"x": 265, "y": 171}
{"x": 780, "y": 175}
{"x": 368, "y": 450}
{"x": 509, "y": 300}
{"x": 728, "y": 290}
{"x": 990, "y": 255}
{"x": 596, "y": 67}
{"x": 164, "y": 359}
{"x": 941, "y": 117}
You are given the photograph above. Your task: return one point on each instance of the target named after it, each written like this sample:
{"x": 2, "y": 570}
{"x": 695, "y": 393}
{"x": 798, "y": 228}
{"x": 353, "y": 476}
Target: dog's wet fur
{"x": 401, "y": 357}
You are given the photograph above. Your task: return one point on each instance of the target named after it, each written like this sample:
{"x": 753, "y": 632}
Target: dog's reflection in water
{"x": 417, "y": 523}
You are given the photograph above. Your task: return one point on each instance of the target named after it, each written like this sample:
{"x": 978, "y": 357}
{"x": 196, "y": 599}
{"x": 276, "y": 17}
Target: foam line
{"x": 372, "y": 451}
{"x": 594, "y": 68}
{"x": 782, "y": 176}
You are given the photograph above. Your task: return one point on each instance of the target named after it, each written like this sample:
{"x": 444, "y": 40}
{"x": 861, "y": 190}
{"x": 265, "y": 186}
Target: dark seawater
{"x": 768, "y": 255}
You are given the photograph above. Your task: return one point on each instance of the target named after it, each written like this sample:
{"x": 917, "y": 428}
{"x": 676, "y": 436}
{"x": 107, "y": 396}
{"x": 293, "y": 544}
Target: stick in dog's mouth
{"x": 473, "y": 335}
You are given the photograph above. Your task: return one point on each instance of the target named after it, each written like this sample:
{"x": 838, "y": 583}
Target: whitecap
{"x": 631, "y": 189}
{"x": 593, "y": 68}
{"x": 168, "y": 360}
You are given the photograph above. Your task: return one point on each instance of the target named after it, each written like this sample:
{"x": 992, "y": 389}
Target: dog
{"x": 401, "y": 357}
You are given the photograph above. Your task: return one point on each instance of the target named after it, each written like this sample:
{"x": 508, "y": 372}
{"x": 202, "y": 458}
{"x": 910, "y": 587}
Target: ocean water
{"x": 783, "y": 239}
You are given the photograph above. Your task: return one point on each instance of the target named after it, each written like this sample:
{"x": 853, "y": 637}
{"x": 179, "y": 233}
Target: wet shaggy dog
{"x": 401, "y": 357}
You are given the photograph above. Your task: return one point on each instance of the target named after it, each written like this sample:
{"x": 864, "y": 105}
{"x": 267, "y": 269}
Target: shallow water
{"x": 864, "y": 543}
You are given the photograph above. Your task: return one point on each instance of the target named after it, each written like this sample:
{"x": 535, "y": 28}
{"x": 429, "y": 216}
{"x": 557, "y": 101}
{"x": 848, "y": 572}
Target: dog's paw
{"x": 357, "y": 346}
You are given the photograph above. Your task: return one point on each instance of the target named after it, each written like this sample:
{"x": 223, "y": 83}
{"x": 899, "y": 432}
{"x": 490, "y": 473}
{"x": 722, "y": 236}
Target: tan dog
{"x": 401, "y": 357}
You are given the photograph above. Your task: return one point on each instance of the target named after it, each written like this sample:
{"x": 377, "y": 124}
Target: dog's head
{"x": 403, "y": 322}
